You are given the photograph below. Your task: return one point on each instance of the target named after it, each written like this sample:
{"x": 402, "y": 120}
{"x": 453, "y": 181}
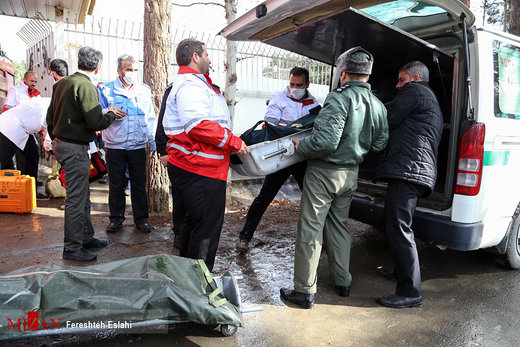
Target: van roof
{"x": 274, "y": 17}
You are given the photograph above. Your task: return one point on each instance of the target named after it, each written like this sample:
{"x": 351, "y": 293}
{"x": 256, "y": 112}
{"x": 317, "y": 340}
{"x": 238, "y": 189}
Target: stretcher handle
{"x": 273, "y": 154}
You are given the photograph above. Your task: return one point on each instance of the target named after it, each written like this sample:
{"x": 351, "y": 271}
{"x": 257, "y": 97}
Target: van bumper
{"x": 426, "y": 226}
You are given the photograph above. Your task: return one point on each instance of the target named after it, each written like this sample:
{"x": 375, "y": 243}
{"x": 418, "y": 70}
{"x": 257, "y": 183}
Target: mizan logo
{"x": 32, "y": 322}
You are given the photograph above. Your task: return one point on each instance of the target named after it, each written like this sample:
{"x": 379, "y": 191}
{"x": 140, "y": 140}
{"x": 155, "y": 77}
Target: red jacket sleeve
{"x": 214, "y": 134}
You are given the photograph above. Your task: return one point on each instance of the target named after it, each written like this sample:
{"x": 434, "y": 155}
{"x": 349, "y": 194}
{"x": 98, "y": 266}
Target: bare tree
{"x": 231, "y": 53}
{"x": 157, "y": 60}
{"x": 231, "y": 61}
{"x": 513, "y": 14}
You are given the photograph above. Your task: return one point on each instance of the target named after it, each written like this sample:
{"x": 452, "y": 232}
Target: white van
{"x": 476, "y": 76}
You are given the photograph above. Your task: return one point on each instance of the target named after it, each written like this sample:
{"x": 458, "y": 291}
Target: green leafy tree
{"x": 19, "y": 67}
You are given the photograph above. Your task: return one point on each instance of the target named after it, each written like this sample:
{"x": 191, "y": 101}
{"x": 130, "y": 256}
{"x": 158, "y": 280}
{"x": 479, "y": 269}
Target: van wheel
{"x": 511, "y": 258}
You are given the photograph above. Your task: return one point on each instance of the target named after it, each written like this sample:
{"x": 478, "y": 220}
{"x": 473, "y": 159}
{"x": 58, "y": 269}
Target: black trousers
{"x": 30, "y": 152}
{"x": 117, "y": 161}
{"x": 400, "y": 203}
{"x": 200, "y": 202}
{"x": 271, "y": 186}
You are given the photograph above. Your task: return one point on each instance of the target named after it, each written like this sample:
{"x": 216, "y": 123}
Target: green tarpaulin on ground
{"x": 132, "y": 290}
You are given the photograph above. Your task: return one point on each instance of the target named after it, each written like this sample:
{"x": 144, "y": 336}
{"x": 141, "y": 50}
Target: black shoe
{"x": 80, "y": 254}
{"x": 388, "y": 274}
{"x": 114, "y": 226}
{"x": 144, "y": 227}
{"x": 41, "y": 196}
{"x": 396, "y": 301}
{"x": 95, "y": 243}
{"x": 242, "y": 245}
{"x": 343, "y": 291}
{"x": 304, "y": 300}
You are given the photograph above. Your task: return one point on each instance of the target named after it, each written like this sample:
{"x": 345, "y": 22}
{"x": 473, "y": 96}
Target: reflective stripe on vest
{"x": 200, "y": 154}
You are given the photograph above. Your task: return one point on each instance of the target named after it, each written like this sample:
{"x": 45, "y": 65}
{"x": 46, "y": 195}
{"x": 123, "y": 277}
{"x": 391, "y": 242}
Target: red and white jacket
{"x": 197, "y": 123}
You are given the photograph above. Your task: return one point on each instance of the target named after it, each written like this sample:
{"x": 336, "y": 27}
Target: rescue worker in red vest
{"x": 284, "y": 107}
{"x": 197, "y": 123}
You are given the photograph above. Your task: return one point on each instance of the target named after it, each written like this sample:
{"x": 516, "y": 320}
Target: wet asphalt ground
{"x": 469, "y": 300}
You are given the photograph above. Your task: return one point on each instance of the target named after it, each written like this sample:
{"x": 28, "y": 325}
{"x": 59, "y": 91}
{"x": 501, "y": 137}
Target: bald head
{"x": 30, "y": 79}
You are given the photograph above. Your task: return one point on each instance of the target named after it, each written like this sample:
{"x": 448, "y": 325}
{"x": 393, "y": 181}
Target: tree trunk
{"x": 157, "y": 61}
{"x": 513, "y": 17}
{"x": 231, "y": 63}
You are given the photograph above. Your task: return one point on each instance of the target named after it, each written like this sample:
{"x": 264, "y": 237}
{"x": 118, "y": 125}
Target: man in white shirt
{"x": 28, "y": 158}
{"x": 23, "y": 91}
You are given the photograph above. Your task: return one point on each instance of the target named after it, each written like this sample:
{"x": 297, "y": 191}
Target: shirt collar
{"x": 183, "y": 69}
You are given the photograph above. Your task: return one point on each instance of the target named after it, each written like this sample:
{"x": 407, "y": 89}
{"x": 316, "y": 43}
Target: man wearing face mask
{"x": 73, "y": 116}
{"x": 284, "y": 107}
{"x": 125, "y": 143}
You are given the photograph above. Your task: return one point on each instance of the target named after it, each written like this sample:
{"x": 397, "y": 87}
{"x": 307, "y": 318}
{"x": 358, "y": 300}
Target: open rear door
{"x": 325, "y": 38}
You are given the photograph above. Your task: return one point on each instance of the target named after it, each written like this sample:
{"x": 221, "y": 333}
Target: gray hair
{"x": 416, "y": 68}
{"x": 89, "y": 58}
{"x": 121, "y": 60}
{"x": 185, "y": 51}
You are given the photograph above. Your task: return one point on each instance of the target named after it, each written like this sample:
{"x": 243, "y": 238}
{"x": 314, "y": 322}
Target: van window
{"x": 391, "y": 11}
{"x": 507, "y": 80}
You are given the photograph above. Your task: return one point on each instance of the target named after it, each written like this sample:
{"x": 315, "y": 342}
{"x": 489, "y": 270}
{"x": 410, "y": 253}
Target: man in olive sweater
{"x": 351, "y": 123}
{"x": 73, "y": 116}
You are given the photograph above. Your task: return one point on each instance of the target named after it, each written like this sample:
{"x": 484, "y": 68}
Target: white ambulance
{"x": 476, "y": 76}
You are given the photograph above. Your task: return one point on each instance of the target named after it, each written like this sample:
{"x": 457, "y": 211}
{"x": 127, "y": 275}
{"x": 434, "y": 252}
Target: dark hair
{"x": 60, "y": 67}
{"x": 299, "y": 71}
{"x": 28, "y": 72}
{"x": 185, "y": 50}
{"x": 89, "y": 59}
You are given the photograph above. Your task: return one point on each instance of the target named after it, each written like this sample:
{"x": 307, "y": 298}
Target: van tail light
{"x": 471, "y": 157}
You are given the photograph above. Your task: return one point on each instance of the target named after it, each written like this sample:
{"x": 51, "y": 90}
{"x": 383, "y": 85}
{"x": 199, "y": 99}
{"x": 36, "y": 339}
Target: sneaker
{"x": 127, "y": 191}
{"x": 103, "y": 179}
{"x": 80, "y": 255}
{"x": 242, "y": 245}
{"x": 95, "y": 243}
{"x": 41, "y": 196}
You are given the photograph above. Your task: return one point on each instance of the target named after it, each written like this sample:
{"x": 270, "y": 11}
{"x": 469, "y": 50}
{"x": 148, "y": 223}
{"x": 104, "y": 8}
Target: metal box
{"x": 17, "y": 192}
{"x": 269, "y": 156}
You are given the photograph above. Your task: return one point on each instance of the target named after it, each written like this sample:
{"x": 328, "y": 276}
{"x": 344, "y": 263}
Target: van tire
{"x": 511, "y": 258}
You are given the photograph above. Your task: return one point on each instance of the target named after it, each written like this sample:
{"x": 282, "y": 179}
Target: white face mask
{"x": 296, "y": 93}
{"x": 130, "y": 77}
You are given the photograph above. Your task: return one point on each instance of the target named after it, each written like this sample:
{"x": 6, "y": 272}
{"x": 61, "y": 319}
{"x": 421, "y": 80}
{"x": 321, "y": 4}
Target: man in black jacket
{"x": 410, "y": 168}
